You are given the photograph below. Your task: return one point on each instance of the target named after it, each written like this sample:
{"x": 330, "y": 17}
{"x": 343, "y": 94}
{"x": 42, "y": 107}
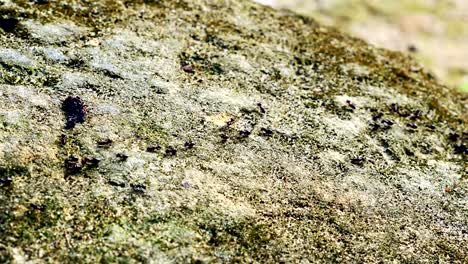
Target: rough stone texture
{"x": 221, "y": 131}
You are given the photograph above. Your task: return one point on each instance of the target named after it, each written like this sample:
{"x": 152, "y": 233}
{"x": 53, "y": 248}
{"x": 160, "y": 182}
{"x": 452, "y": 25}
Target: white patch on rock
{"x": 10, "y": 117}
{"x": 53, "y": 54}
{"x": 345, "y": 128}
{"x": 53, "y": 33}
{"x": 14, "y": 57}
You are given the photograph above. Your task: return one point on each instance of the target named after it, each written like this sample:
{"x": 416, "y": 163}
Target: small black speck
{"x": 38, "y": 207}
{"x": 121, "y": 156}
{"x": 186, "y": 185}
{"x": 171, "y": 151}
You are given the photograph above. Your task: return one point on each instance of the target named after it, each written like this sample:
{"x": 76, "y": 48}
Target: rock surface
{"x": 220, "y": 131}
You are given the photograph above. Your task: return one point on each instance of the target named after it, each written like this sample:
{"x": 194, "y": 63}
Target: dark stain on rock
{"x": 8, "y": 24}
{"x": 75, "y": 111}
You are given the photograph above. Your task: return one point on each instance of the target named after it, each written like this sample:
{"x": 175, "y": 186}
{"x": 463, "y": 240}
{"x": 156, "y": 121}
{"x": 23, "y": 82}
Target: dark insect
{"x": 351, "y": 105}
{"x": 122, "y": 156}
{"x": 395, "y": 108}
{"x": 412, "y": 48}
{"x": 431, "y": 126}
{"x": 453, "y": 137}
{"x": 91, "y": 162}
{"x": 230, "y": 122}
{"x": 266, "y": 132}
{"x": 153, "y": 149}
{"x": 75, "y": 111}
{"x": 63, "y": 139}
{"x": 375, "y": 126}
{"x": 8, "y": 24}
{"x": 377, "y": 116}
{"x": 189, "y": 145}
{"x": 224, "y": 138}
{"x": 358, "y": 161}
{"x": 186, "y": 185}
{"x": 138, "y": 188}
{"x": 6, "y": 181}
{"x": 412, "y": 125}
{"x": 416, "y": 115}
{"x": 388, "y": 122}
{"x": 72, "y": 165}
{"x": 461, "y": 149}
{"x": 38, "y": 207}
{"x": 41, "y": 2}
{"x": 116, "y": 184}
{"x": 245, "y": 133}
{"x": 104, "y": 143}
{"x": 262, "y": 109}
{"x": 188, "y": 69}
{"x": 171, "y": 151}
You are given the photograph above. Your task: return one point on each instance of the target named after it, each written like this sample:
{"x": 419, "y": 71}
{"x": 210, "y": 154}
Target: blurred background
{"x": 435, "y": 32}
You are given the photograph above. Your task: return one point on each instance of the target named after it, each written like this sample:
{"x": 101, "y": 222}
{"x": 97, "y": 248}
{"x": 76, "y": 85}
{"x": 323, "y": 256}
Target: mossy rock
{"x": 220, "y": 131}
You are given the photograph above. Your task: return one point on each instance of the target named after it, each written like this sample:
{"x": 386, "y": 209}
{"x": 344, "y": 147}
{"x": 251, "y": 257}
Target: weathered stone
{"x": 296, "y": 152}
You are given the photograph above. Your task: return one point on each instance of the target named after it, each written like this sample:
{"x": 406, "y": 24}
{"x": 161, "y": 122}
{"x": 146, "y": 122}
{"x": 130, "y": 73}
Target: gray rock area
{"x": 212, "y": 131}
